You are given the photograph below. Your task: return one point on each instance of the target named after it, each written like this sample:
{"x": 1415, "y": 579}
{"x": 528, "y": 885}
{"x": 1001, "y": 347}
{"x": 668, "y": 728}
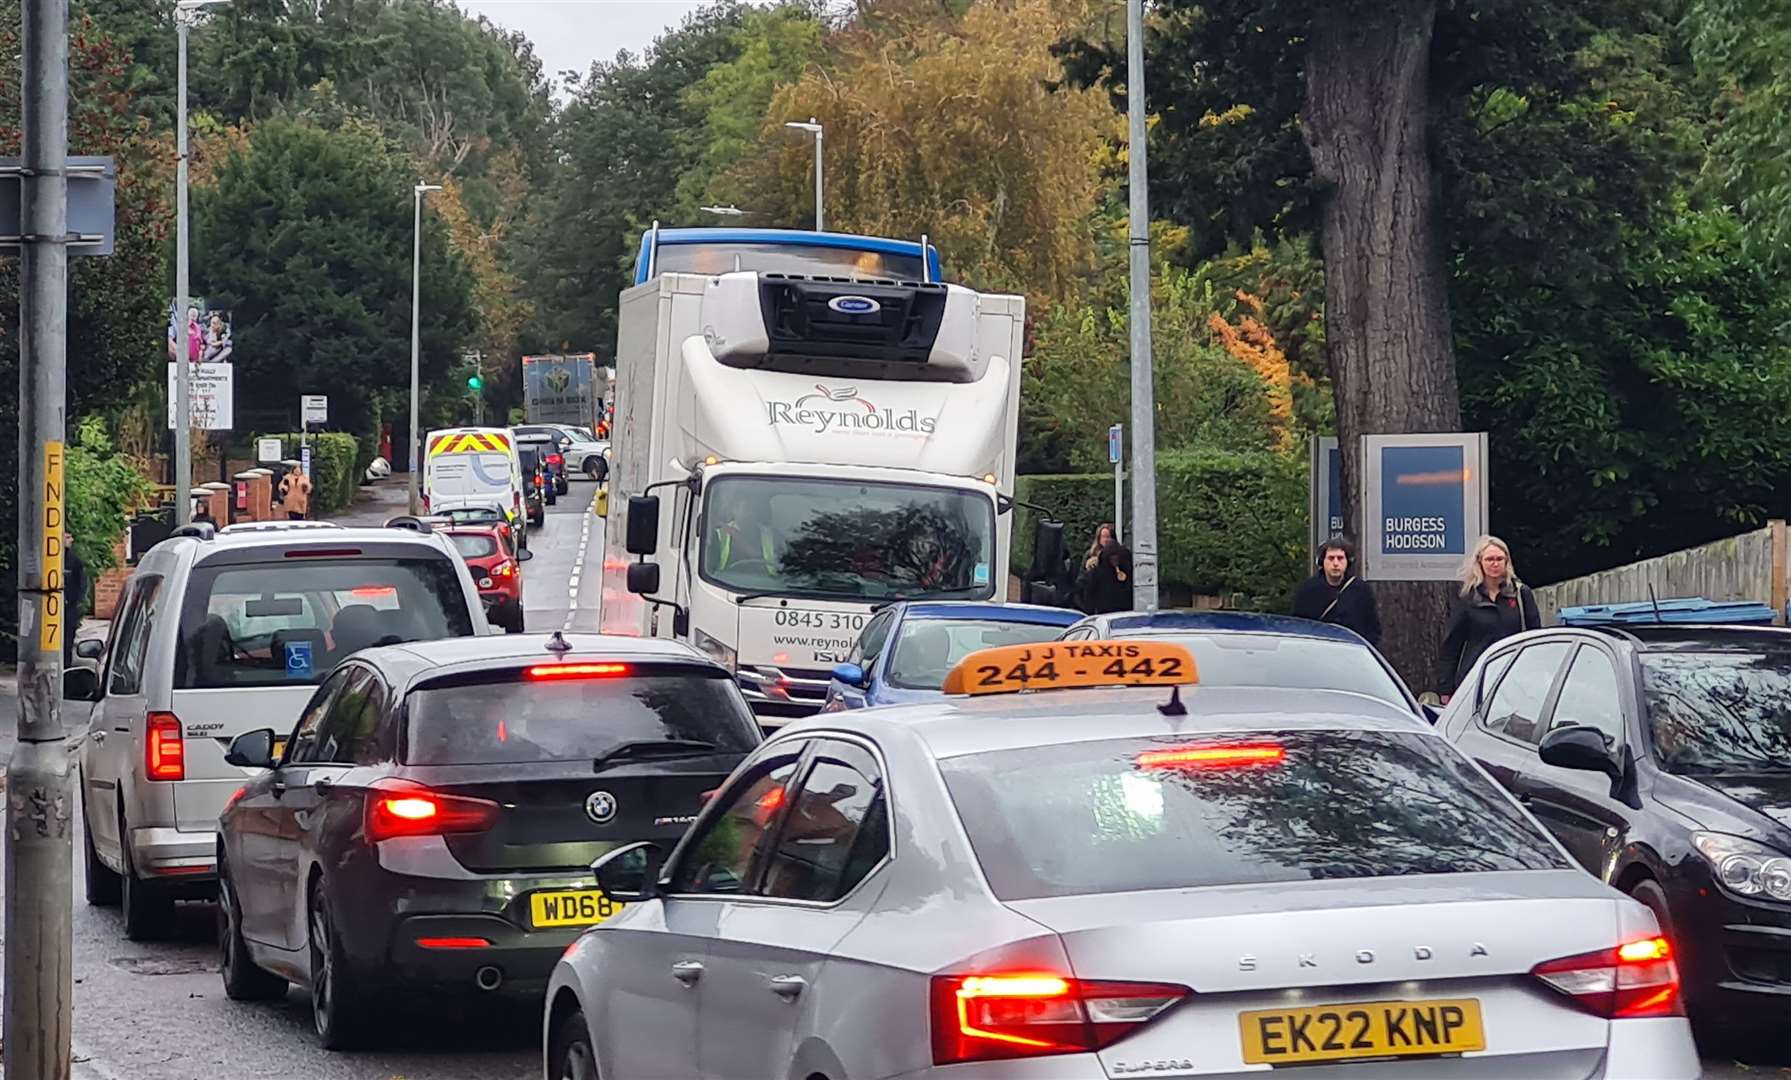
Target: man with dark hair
{"x": 1335, "y": 595}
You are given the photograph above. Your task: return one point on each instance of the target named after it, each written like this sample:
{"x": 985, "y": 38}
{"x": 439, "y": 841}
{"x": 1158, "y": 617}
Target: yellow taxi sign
{"x": 1062, "y": 665}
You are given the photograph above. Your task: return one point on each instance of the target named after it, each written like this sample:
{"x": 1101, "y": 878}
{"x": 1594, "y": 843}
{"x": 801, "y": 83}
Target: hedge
{"x": 1228, "y": 523}
{"x": 334, "y": 477}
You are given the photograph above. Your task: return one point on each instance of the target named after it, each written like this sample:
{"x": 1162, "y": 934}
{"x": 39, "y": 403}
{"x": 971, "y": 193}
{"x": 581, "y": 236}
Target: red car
{"x": 497, "y": 570}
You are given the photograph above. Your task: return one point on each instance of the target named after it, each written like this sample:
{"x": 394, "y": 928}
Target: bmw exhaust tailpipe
{"x": 488, "y": 978}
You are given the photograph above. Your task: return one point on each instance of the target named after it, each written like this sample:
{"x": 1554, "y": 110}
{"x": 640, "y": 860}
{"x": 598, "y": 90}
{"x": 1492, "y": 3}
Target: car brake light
{"x": 453, "y": 943}
{"x": 503, "y": 569}
{"x": 576, "y": 671}
{"x": 323, "y": 553}
{"x": 1636, "y": 979}
{"x": 554, "y": 459}
{"x": 989, "y": 1017}
{"x": 406, "y": 808}
{"x": 164, "y": 748}
{"x": 1211, "y": 757}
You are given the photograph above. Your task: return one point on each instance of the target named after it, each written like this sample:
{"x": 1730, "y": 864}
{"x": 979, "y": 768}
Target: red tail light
{"x": 1636, "y": 979}
{"x": 554, "y": 459}
{"x": 576, "y": 671}
{"x": 405, "y": 808}
{"x": 989, "y": 1017}
{"x": 164, "y": 748}
{"x": 453, "y": 943}
{"x": 503, "y": 569}
{"x": 1211, "y": 757}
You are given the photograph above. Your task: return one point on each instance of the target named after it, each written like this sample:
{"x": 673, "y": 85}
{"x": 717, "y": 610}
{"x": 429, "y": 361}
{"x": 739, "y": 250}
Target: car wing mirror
{"x": 524, "y": 555}
{"x": 1580, "y": 747}
{"x": 630, "y": 874}
{"x": 90, "y": 648}
{"x": 850, "y": 674}
{"x": 252, "y": 749}
{"x": 80, "y": 684}
{"x": 643, "y": 524}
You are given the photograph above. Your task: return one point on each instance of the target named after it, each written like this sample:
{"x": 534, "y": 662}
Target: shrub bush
{"x": 1228, "y": 523}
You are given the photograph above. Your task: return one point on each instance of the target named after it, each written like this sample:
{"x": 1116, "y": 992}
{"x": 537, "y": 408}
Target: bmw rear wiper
{"x": 640, "y": 748}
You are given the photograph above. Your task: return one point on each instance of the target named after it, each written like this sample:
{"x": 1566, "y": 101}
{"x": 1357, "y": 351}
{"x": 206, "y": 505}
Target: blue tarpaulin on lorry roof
{"x": 1689, "y": 610}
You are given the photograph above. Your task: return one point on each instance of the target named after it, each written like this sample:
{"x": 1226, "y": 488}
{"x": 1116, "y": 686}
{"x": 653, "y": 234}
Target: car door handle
{"x": 787, "y": 986}
{"x": 687, "y": 971}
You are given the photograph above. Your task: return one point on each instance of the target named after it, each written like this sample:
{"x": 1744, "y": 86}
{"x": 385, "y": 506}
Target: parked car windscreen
{"x": 926, "y": 649}
{"x": 289, "y": 621}
{"x": 511, "y": 718}
{"x": 1146, "y": 813}
{"x": 1719, "y": 712}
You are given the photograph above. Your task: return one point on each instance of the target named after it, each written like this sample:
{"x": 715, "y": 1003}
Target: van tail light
{"x": 164, "y": 748}
{"x": 991, "y": 1017}
{"x": 1633, "y": 980}
{"x": 406, "y": 808}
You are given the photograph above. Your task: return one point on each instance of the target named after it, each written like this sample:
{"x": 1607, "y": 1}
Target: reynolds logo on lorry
{"x": 841, "y": 409}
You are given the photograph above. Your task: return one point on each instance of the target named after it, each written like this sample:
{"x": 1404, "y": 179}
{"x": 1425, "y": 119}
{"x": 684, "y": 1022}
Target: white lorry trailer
{"x": 791, "y": 452}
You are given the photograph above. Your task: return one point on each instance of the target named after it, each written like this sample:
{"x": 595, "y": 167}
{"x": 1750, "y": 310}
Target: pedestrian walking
{"x": 74, "y": 597}
{"x": 1336, "y": 594}
{"x": 295, "y": 494}
{"x": 1493, "y": 605}
{"x": 1106, "y": 582}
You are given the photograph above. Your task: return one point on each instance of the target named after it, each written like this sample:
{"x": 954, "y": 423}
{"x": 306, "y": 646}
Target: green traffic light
{"x": 474, "y": 383}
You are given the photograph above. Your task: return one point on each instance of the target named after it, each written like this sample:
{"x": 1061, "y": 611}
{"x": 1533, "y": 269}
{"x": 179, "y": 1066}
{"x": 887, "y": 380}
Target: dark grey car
{"x": 433, "y": 818}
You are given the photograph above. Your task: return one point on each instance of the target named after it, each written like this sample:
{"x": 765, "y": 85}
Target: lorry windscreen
{"x": 847, "y": 539}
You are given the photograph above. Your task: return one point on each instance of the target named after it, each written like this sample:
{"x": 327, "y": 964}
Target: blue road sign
{"x": 1115, "y": 441}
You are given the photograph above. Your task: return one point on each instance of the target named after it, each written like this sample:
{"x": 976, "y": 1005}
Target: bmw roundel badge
{"x": 854, "y": 305}
{"x": 600, "y": 806}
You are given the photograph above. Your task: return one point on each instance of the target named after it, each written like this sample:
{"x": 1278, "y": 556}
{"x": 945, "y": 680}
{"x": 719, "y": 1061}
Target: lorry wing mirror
{"x": 1047, "y": 550}
{"x": 643, "y": 525}
{"x": 643, "y": 577}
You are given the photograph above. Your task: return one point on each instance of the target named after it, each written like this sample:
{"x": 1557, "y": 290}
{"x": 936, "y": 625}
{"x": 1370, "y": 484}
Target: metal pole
{"x": 819, "y": 226}
{"x": 39, "y": 852}
{"x": 416, "y": 268}
{"x": 183, "y": 393}
{"x": 1144, "y": 437}
{"x": 1119, "y": 501}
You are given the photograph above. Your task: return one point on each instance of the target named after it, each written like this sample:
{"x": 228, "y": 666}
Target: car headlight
{"x": 1746, "y": 868}
{"x": 715, "y": 650}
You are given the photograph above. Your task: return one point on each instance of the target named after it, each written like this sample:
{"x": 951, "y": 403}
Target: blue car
{"x": 1242, "y": 648}
{"x": 907, "y": 648}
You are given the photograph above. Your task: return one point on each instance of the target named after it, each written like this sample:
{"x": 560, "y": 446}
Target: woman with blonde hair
{"x": 1493, "y": 605}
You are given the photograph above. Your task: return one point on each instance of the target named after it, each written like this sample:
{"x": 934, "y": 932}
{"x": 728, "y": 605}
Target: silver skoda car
{"x": 1113, "y": 882}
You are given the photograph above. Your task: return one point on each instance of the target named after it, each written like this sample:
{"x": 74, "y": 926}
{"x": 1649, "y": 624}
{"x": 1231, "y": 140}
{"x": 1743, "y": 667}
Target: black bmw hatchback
{"x": 1660, "y": 756}
{"x": 431, "y": 821}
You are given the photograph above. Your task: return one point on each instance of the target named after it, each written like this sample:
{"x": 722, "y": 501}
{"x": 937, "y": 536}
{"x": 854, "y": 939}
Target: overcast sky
{"x": 569, "y": 34}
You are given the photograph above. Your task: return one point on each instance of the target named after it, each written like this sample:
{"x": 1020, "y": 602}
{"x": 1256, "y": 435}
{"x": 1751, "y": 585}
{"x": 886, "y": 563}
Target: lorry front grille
{"x": 784, "y": 692}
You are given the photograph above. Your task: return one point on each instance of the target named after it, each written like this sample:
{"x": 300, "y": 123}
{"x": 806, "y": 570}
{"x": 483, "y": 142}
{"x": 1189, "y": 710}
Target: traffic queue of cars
{"x": 1018, "y": 842}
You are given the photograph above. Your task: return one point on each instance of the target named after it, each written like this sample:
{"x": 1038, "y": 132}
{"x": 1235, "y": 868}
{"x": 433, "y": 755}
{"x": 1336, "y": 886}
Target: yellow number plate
{"x": 1370, "y": 1029}
{"x": 573, "y": 907}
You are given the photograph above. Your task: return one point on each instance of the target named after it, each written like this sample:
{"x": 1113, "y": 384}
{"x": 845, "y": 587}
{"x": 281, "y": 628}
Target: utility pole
{"x": 39, "y": 851}
{"x": 813, "y": 127}
{"x": 1144, "y": 434}
{"x": 183, "y": 368}
{"x": 416, "y": 300}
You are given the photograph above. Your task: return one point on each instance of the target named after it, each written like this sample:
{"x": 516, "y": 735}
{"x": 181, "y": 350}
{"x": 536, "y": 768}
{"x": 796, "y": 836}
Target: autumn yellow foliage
{"x": 946, "y": 125}
{"x": 1253, "y": 343}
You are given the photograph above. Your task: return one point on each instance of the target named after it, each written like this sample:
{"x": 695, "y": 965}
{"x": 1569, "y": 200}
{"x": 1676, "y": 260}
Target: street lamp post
{"x": 813, "y": 127}
{"x": 1144, "y": 437}
{"x": 416, "y": 296}
{"x": 184, "y": 13}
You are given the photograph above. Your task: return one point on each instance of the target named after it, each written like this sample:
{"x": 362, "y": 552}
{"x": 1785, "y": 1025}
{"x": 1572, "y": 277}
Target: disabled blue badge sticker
{"x": 981, "y": 574}
{"x": 298, "y": 659}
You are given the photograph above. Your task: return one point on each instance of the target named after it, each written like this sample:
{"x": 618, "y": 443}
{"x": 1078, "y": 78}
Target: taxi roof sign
{"x": 1063, "y": 665}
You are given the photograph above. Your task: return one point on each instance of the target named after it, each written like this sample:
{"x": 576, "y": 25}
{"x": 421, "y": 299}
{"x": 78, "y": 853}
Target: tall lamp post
{"x": 416, "y": 296}
{"x": 185, "y": 13}
{"x": 813, "y": 127}
{"x": 1144, "y": 437}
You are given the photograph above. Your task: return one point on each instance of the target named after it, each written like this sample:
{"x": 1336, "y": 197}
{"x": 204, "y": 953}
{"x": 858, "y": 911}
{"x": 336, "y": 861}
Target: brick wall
{"x": 109, "y": 586}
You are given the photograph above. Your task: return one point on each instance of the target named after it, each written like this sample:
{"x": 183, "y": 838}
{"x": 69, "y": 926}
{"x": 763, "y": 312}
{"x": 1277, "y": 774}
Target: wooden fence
{"x": 1751, "y": 566}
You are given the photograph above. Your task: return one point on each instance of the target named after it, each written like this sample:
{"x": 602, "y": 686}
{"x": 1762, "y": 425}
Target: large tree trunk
{"x": 1366, "y": 123}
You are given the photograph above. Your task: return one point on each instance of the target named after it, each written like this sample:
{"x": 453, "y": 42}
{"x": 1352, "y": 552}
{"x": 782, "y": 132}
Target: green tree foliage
{"x": 103, "y": 488}
{"x": 307, "y": 238}
{"x": 1743, "y": 46}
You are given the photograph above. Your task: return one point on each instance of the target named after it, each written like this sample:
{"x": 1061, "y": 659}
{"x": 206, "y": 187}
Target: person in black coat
{"x": 1107, "y": 585}
{"x": 1336, "y": 595}
{"x": 1493, "y": 605}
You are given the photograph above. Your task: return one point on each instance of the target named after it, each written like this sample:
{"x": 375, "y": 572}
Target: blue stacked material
{"x": 1695, "y": 610}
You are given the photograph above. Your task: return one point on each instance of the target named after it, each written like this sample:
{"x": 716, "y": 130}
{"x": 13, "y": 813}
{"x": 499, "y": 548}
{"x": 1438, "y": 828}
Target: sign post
{"x": 313, "y": 409}
{"x": 1423, "y": 504}
{"x": 1115, "y": 452}
{"x": 1325, "y": 509}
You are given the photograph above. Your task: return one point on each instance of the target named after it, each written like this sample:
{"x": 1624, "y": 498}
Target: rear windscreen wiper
{"x": 641, "y": 748}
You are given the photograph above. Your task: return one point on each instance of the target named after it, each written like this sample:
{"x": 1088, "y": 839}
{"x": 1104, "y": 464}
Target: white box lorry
{"x": 791, "y": 452}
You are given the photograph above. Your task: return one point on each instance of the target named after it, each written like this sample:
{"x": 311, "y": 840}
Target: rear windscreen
{"x": 468, "y": 474}
{"x": 1173, "y": 813}
{"x": 289, "y": 622}
{"x": 515, "y": 722}
{"x": 473, "y": 545}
